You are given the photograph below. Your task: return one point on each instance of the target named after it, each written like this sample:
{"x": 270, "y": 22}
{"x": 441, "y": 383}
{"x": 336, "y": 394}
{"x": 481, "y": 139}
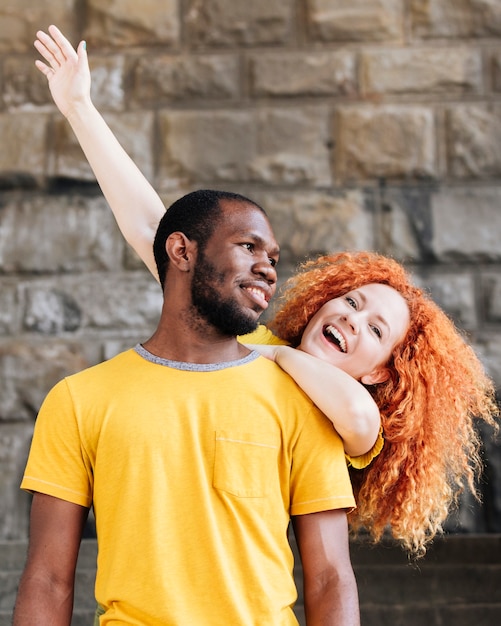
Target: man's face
{"x": 358, "y": 331}
{"x": 234, "y": 276}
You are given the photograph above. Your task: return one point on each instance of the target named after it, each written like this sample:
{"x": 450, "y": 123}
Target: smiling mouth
{"x": 258, "y": 295}
{"x": 335, "y": 337}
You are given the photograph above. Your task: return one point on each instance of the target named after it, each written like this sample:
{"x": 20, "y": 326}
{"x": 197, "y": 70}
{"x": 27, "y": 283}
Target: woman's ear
{"x": 378, "y": 375}
{"x": 180, "y": 250}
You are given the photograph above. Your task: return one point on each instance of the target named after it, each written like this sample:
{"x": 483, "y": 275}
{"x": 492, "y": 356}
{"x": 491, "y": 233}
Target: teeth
{"x": 337, "y": 336}
{"x": 258, "y": 292}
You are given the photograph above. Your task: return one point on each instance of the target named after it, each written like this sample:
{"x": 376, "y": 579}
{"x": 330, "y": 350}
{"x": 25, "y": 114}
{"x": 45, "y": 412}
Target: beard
{"x": 223, "y": 314}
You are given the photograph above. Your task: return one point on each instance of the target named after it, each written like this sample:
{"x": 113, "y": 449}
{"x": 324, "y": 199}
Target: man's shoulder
{"x": 117, "y": 361}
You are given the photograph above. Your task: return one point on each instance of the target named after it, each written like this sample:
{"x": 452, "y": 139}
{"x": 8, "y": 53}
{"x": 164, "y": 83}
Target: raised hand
{"x": 67, "y": 70}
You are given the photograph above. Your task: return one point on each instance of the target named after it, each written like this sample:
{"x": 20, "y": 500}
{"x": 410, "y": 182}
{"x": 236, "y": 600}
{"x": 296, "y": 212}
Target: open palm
{"x": 67, "y": 70}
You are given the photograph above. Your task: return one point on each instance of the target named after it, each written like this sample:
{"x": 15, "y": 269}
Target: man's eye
{"x": 273, "y": 262}
{"x": 376, "y": 331}
{"x": 248, "y": 246}
{"x": 351, "y": 302}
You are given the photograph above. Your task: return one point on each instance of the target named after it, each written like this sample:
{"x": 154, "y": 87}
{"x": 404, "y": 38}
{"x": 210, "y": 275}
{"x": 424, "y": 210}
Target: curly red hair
{"x": 428, "y": 406}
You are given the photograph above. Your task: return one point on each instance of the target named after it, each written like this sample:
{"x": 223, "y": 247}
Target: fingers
{"x": 63, "y": 44}
{"x": 54, "y": 48}
{"x": 82, "y": 49}
{"x": 49, "y": 49}
{"x": 45, "y": 69}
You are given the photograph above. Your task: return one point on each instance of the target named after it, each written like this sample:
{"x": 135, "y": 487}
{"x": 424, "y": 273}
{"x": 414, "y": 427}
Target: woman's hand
{"x": 268, "y": 351}
{"x": 67, "y": 70}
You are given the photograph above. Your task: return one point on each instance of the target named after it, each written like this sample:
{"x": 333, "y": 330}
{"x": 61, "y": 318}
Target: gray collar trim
{"x": 194, "y": 367}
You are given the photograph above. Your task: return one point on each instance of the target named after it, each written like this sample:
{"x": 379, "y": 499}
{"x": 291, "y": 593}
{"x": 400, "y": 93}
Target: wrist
{"x": 80, "y": 112}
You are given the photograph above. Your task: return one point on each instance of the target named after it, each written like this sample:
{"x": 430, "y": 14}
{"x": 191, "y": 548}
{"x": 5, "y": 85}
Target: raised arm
{"x": 344, "y": 400}
{"x": 135, "y": 204}
{"x": 45, "y": 595}
{"x": 330, "y": 588}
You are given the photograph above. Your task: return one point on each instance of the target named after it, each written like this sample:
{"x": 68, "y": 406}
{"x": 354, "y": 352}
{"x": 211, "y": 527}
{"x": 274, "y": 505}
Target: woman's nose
{"x": 352, "y": 321}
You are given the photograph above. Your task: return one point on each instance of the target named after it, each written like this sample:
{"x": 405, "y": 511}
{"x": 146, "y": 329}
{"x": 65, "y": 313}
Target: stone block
{"x": 466, "y": 224}
{"x": 293, "y": 146}
{"x": 29, "y": 369}
{"x": 311, "y": 223}
{"x": 58, "y": 234}
{"x": 51, "y": 311}
{"x": 405, "y": 223}
{"x": 491, "y": 289}
{"x": 9, "y": 313}
{"x": 238, "y": 22}
{"x": 134, "y": 130}
{"x": 175, "y": 78}
{"x": 496, "y": 71}
{"x": 23, "y": 85}
{"x": 23, "y": 145}
{"x": 130, "y": 23}
{"x": 385, "y": 142}
{"x": 20, "y": 20}
{"x": 130, "y": 304}
{"x": 424, "y": 70}
{"x": 455, "y": 18}
{"x": 299, "y": 74}
{"x": 114, "y": 303}
{"x": 107, "y": 84}
{"x": 355, "y": 20}
{"x": 474, "y": 141}
{"x": 488, "y": 348}
{"x": 199, "y": 146}
{"x": 270, "y": 145}
{"x": 455, "y": 293}
{"x": 14, "y": 445}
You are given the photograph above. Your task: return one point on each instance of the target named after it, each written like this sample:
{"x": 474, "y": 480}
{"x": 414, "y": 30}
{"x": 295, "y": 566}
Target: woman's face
{"x": 357, "y": 332}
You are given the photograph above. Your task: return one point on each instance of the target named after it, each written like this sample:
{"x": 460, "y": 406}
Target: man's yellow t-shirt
{"x": 193, "y": 472}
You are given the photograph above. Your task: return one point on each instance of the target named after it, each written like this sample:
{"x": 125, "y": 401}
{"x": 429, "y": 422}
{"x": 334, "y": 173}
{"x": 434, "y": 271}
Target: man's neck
{"x": 191, "y": 347}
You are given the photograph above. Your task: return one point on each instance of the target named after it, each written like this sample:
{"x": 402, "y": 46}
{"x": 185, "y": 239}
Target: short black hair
{"x": 196, "y": 215}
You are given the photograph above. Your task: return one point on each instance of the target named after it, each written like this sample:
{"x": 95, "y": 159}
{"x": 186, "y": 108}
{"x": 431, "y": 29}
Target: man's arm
{"x": 330, "y": 588}
{"x": 135, "y": 204}
{"x": 45, "y": 595}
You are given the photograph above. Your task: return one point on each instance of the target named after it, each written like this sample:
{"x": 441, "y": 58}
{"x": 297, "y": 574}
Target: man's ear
{"x": 181, "y": 251}
{"x": 378, "y": 375}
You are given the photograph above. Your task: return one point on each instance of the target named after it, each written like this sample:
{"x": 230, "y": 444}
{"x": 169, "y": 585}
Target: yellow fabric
{"x": 193, "y": 476}
{"x": 359, "y": 462}
{"x": 263, "y": 335}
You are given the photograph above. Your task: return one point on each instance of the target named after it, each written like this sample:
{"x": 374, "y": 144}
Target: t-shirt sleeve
{"x": 362, "y": 461}
{"x": 319, "y": 479}
{"x": 262, "y": 335}
{"x": 57, "y": 464}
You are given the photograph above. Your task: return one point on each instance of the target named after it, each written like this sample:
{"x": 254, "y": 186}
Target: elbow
{"x": 364, "y": 427}
{"x": 332, "y": 598}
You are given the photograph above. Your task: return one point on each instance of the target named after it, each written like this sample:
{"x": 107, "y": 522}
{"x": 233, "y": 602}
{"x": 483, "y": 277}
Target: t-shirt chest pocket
{"x": 245, "y": 464}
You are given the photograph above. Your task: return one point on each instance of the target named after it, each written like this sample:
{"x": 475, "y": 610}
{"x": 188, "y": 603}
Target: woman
{"x": 434, "y": 390}
{"x": 412, "y": 371}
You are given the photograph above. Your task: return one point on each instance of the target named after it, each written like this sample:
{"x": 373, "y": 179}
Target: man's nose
{"x": 266, "y": 270}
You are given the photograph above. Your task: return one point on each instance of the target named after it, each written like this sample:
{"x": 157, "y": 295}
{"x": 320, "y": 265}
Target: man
{"x": 194, "y": 452}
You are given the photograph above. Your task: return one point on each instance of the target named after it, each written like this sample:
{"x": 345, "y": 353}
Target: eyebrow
{"x": 379, "y": 317}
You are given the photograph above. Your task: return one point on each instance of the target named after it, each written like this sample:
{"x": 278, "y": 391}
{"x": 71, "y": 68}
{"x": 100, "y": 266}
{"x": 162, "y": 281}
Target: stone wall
{"x": 355, "y": 123}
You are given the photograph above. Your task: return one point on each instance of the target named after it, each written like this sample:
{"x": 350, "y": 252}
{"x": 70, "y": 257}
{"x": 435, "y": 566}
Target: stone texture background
{"x": 355, "y": 123}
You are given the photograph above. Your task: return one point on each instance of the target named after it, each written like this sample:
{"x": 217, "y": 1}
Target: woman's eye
{"x": 273, "y": 262}
{"x": 351, "y": 302}
{"x": 376, "y": 331}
